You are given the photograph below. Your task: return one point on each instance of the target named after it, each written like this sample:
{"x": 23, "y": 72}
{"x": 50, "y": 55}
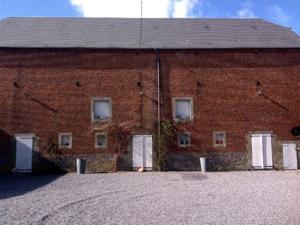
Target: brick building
{"x": 231, "y": 88}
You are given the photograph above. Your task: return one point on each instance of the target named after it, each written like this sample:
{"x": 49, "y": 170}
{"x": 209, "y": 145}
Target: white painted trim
{"x": 25, "y": 135}
{"x": 106, "y": 140}
{"x": 178, "y": 139}
{"x": 262, "y": 155}
{"x": 59, "y": 140}
{"x": 93, "y": 99}
{"x": 262, "y": 133}
{"x": 141, "y": 153}
{"x": 17, "y": 138}
{"x": 215, "y": 133}
{"x": 174, "y": 99}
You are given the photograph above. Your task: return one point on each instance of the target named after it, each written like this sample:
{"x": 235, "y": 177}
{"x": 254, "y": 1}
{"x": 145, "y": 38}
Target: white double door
{"x": 142, "y": 148}
{"x": 262, "y": 151}
{"x": 290, "y": 159}
{"x": 24, "y": 146}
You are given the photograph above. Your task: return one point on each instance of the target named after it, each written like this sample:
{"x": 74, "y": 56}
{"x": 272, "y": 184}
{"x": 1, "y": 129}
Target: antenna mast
{"x": 141, "y": 24}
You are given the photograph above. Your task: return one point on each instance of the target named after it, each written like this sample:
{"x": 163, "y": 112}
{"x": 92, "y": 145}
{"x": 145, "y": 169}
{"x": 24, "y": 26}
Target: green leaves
{"x": 162, "y": 142}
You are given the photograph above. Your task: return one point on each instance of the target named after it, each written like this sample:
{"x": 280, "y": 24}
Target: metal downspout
{"x": 158, "y": 102}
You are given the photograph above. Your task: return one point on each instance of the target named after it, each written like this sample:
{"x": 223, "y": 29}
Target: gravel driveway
{"x": 264, "y": 197}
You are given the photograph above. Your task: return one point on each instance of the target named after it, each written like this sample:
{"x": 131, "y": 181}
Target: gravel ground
{"x": 263, "y": 197}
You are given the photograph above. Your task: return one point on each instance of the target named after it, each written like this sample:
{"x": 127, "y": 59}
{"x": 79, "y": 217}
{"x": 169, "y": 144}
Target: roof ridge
{"x": 137, "y": 18}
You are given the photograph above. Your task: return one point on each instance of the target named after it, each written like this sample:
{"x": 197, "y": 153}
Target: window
{"x": 219, "y": 138}
{"x": 101, "y": 109}
{"x": 182, "y": 109}
{"x": 101, "y": 140}
{"x": 184, "y": 139}
{"x": 65, "y": 140}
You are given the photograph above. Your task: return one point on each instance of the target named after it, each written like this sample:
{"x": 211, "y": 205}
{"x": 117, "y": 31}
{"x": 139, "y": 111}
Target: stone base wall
{"x": 177, "y": 161}
{"x": 215, "y": 161}
{"x": 67, "y": 163}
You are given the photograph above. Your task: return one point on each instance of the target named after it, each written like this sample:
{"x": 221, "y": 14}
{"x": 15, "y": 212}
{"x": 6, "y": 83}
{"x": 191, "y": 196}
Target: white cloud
{"x": 183, "y": 7}
{"x": 246, "y": 13}
{"x": 132, "y": 8}
{"x": 278, "y": 14}
{"x": 246, "y": 10}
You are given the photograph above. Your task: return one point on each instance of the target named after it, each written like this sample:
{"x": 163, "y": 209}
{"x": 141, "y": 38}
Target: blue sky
{"x": 284, "y": 12}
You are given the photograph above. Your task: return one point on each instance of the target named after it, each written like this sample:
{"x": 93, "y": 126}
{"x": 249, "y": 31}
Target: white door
{"x": 267, "y": 150}
{"x": 24, "y": 145}
{"x": 257, "y": 157}
{"x": 261, "y": 151}
{"x": 148, "y": 151}
{"x": 137, "y": 151}
{"x": 290, "y": 161}
{"x": 142, "y": 152}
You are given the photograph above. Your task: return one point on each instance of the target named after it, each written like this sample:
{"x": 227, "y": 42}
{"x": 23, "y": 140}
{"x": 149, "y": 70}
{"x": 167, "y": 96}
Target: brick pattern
{"x": 223, "y": 85}
{"x": 48, "y": 91}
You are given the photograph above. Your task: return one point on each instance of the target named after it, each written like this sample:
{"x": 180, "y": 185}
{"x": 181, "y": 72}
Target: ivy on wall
{"x": 162, "y": 143}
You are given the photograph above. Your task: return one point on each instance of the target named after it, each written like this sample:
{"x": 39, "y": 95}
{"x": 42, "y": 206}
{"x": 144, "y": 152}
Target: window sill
{"x": 100, "y": 147}
{"x": 219, "y": 146}
{"x": 64, "y": 147}
{"x": 101, "y": 120}
{"x": 183, "y": 120}
{"x": 184, "y": 146}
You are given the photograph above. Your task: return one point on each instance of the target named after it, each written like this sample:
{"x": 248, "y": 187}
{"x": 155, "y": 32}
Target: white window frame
{"x": 215, "y": 133}
{"x": 191, "y": 109}
{"x": 106, "y": 140}
{"x": 60, "y": 139}
{"x": 178, "y": 139}
{"x": 109, "y": 100}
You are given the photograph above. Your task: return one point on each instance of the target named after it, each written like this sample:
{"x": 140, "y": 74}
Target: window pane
{"x": 183, "y": 109}
{"x": 184, "y": 139}
{"x": 101, "y": 109}
{"x": 220, "y": 139}
{"x": 65, "y": 140}
{"x": 101, "y": 140}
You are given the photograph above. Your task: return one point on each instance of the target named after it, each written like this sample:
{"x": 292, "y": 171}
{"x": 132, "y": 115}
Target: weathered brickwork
{"x": 48, "y": 91}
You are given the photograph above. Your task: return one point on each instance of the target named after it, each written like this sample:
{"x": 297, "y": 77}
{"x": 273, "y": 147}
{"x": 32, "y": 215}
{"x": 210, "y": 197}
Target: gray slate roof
{"x": 106, "y": 33}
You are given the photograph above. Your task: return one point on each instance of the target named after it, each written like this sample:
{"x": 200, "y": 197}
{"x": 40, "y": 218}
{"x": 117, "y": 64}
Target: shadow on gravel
{"x": 18, "y": 184}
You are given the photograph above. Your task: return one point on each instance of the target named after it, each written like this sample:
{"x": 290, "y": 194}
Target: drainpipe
{"x": 158, "y": 100}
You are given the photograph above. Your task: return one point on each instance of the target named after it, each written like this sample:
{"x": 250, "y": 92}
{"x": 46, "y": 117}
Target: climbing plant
{"x": 162, "y": 144}
{"x": 51, "y": 145}
{"x": 119, "y": 134}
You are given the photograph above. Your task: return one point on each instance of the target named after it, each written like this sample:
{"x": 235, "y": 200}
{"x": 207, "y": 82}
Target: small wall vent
{"x": 296, "y": 131}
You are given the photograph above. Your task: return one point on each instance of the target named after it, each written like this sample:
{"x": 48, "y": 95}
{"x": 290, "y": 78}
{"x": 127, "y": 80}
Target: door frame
{"x": 143, "y": 153}
{"x": 262, "y": 153}
{"x": 24, "y": 135}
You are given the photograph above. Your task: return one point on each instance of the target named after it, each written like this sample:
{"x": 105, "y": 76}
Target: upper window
{"x": 219, "y": 138}
{"x": 101, "y": 109}
{"x": 184, "y": 139}
{"x": 101, "y": 140}
{"x": 183, "y": 109}
{"x": 65, "y": 140}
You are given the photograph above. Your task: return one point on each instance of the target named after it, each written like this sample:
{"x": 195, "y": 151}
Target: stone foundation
{"x": 67, "y": 163}
{"x": 215, "y": 161}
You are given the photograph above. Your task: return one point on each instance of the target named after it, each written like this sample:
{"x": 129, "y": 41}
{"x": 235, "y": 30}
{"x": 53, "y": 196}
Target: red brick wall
{"x": 227, "y": 99}
{"x": 47, "y": 101}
